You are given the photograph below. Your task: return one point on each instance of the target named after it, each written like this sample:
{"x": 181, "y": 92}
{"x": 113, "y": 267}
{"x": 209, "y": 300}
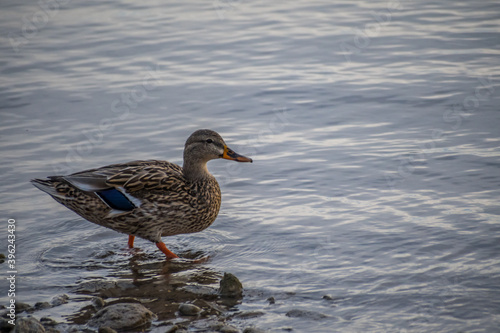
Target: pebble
{"x": 28, "y": 324}
{"x": 59, "y": 300}
{"x": 98, "y": 303}
{"x": 122, "y": 316}
{"x": 230, "y": 286}
{"x": 187, "y": 309}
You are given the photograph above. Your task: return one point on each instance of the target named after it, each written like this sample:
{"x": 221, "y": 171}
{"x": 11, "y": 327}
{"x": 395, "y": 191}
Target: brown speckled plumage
{"x": 148, "y": 199}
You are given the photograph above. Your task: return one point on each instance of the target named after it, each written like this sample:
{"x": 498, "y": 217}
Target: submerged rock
{"x": 28, "y": 324}
{"x": 187, "y": 309}
{"x": 297, "y": 313}
{"x": 201, "y": 290}
{"x": 249, "y": 314}
{"x": 123, "y": 316}
{"x": 230, "y": 286}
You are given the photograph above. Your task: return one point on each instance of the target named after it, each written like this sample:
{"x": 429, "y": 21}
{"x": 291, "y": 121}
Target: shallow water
{"x": 374, "y": 129}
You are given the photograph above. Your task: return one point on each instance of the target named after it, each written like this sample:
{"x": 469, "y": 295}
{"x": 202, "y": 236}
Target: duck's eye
{"x": 209, "y": 141}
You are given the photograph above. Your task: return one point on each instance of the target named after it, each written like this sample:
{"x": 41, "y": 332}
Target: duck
{"x": 149, "y": 199}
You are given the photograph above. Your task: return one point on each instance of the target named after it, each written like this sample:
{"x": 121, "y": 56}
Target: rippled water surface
{"x": 373, "y": 125}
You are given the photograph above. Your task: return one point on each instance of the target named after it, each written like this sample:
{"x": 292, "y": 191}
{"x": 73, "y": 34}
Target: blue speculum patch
{"x": 115, "y": 199}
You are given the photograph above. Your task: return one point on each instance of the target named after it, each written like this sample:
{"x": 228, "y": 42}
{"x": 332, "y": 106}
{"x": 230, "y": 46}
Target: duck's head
{"x": 205, "y": 145}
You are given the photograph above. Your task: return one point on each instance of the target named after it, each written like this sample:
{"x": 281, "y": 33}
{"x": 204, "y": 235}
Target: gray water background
{"x": 373, "y": 125}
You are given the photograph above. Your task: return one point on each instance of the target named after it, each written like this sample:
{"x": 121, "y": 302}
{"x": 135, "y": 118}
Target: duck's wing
{"x": 124, "y": 187}
{"x": 151, "y": 178}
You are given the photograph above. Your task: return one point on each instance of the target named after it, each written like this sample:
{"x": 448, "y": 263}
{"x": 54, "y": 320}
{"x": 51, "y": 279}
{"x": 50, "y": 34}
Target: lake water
{"x": 374, "y": 127}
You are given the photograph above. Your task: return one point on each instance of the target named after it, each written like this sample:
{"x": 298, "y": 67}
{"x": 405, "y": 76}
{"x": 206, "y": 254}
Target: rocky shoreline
{"x": 182, "y": 297}
{"x": 147, "y": 295}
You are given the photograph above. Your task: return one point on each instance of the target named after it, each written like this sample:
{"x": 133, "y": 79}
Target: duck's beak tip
{"x": 231, "y": 155}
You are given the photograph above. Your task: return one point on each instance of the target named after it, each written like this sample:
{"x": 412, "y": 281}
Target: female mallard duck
{"x": 148, "y": 199}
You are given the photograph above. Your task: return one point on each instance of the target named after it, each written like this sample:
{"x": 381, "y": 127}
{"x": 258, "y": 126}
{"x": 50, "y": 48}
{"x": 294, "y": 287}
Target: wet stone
{"x": 122, "y": 316}
{"x": 46, "y": 321}
{"x": 297, "y": 313}
{"x": 328, "y": 297}
{"x": 227, "y": 329}
{"x": 271, "y": 300}
{"x": 200, "y": 290}
{"x": 42, "y": 305}
{"x": 187, "y": 309}
{"x": 59, "y": 300}
{"x": 249, "y": 314}
{"x": 28, "y": 324}
{"x": 230, "y": 286}
{"x": 172, "y": 329}
{"x": 20, "y": 307}
{"x": 98, "y": 303}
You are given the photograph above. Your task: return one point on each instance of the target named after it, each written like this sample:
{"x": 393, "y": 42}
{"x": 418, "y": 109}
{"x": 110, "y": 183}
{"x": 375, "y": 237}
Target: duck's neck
{"x": 195, "y": 170}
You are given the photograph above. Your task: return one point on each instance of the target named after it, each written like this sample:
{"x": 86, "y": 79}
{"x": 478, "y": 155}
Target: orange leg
{"x": 168, "y": 253}
{"x": 131, "y": 241}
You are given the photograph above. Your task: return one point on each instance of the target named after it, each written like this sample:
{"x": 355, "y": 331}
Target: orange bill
{"x": 231, "y": 155}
